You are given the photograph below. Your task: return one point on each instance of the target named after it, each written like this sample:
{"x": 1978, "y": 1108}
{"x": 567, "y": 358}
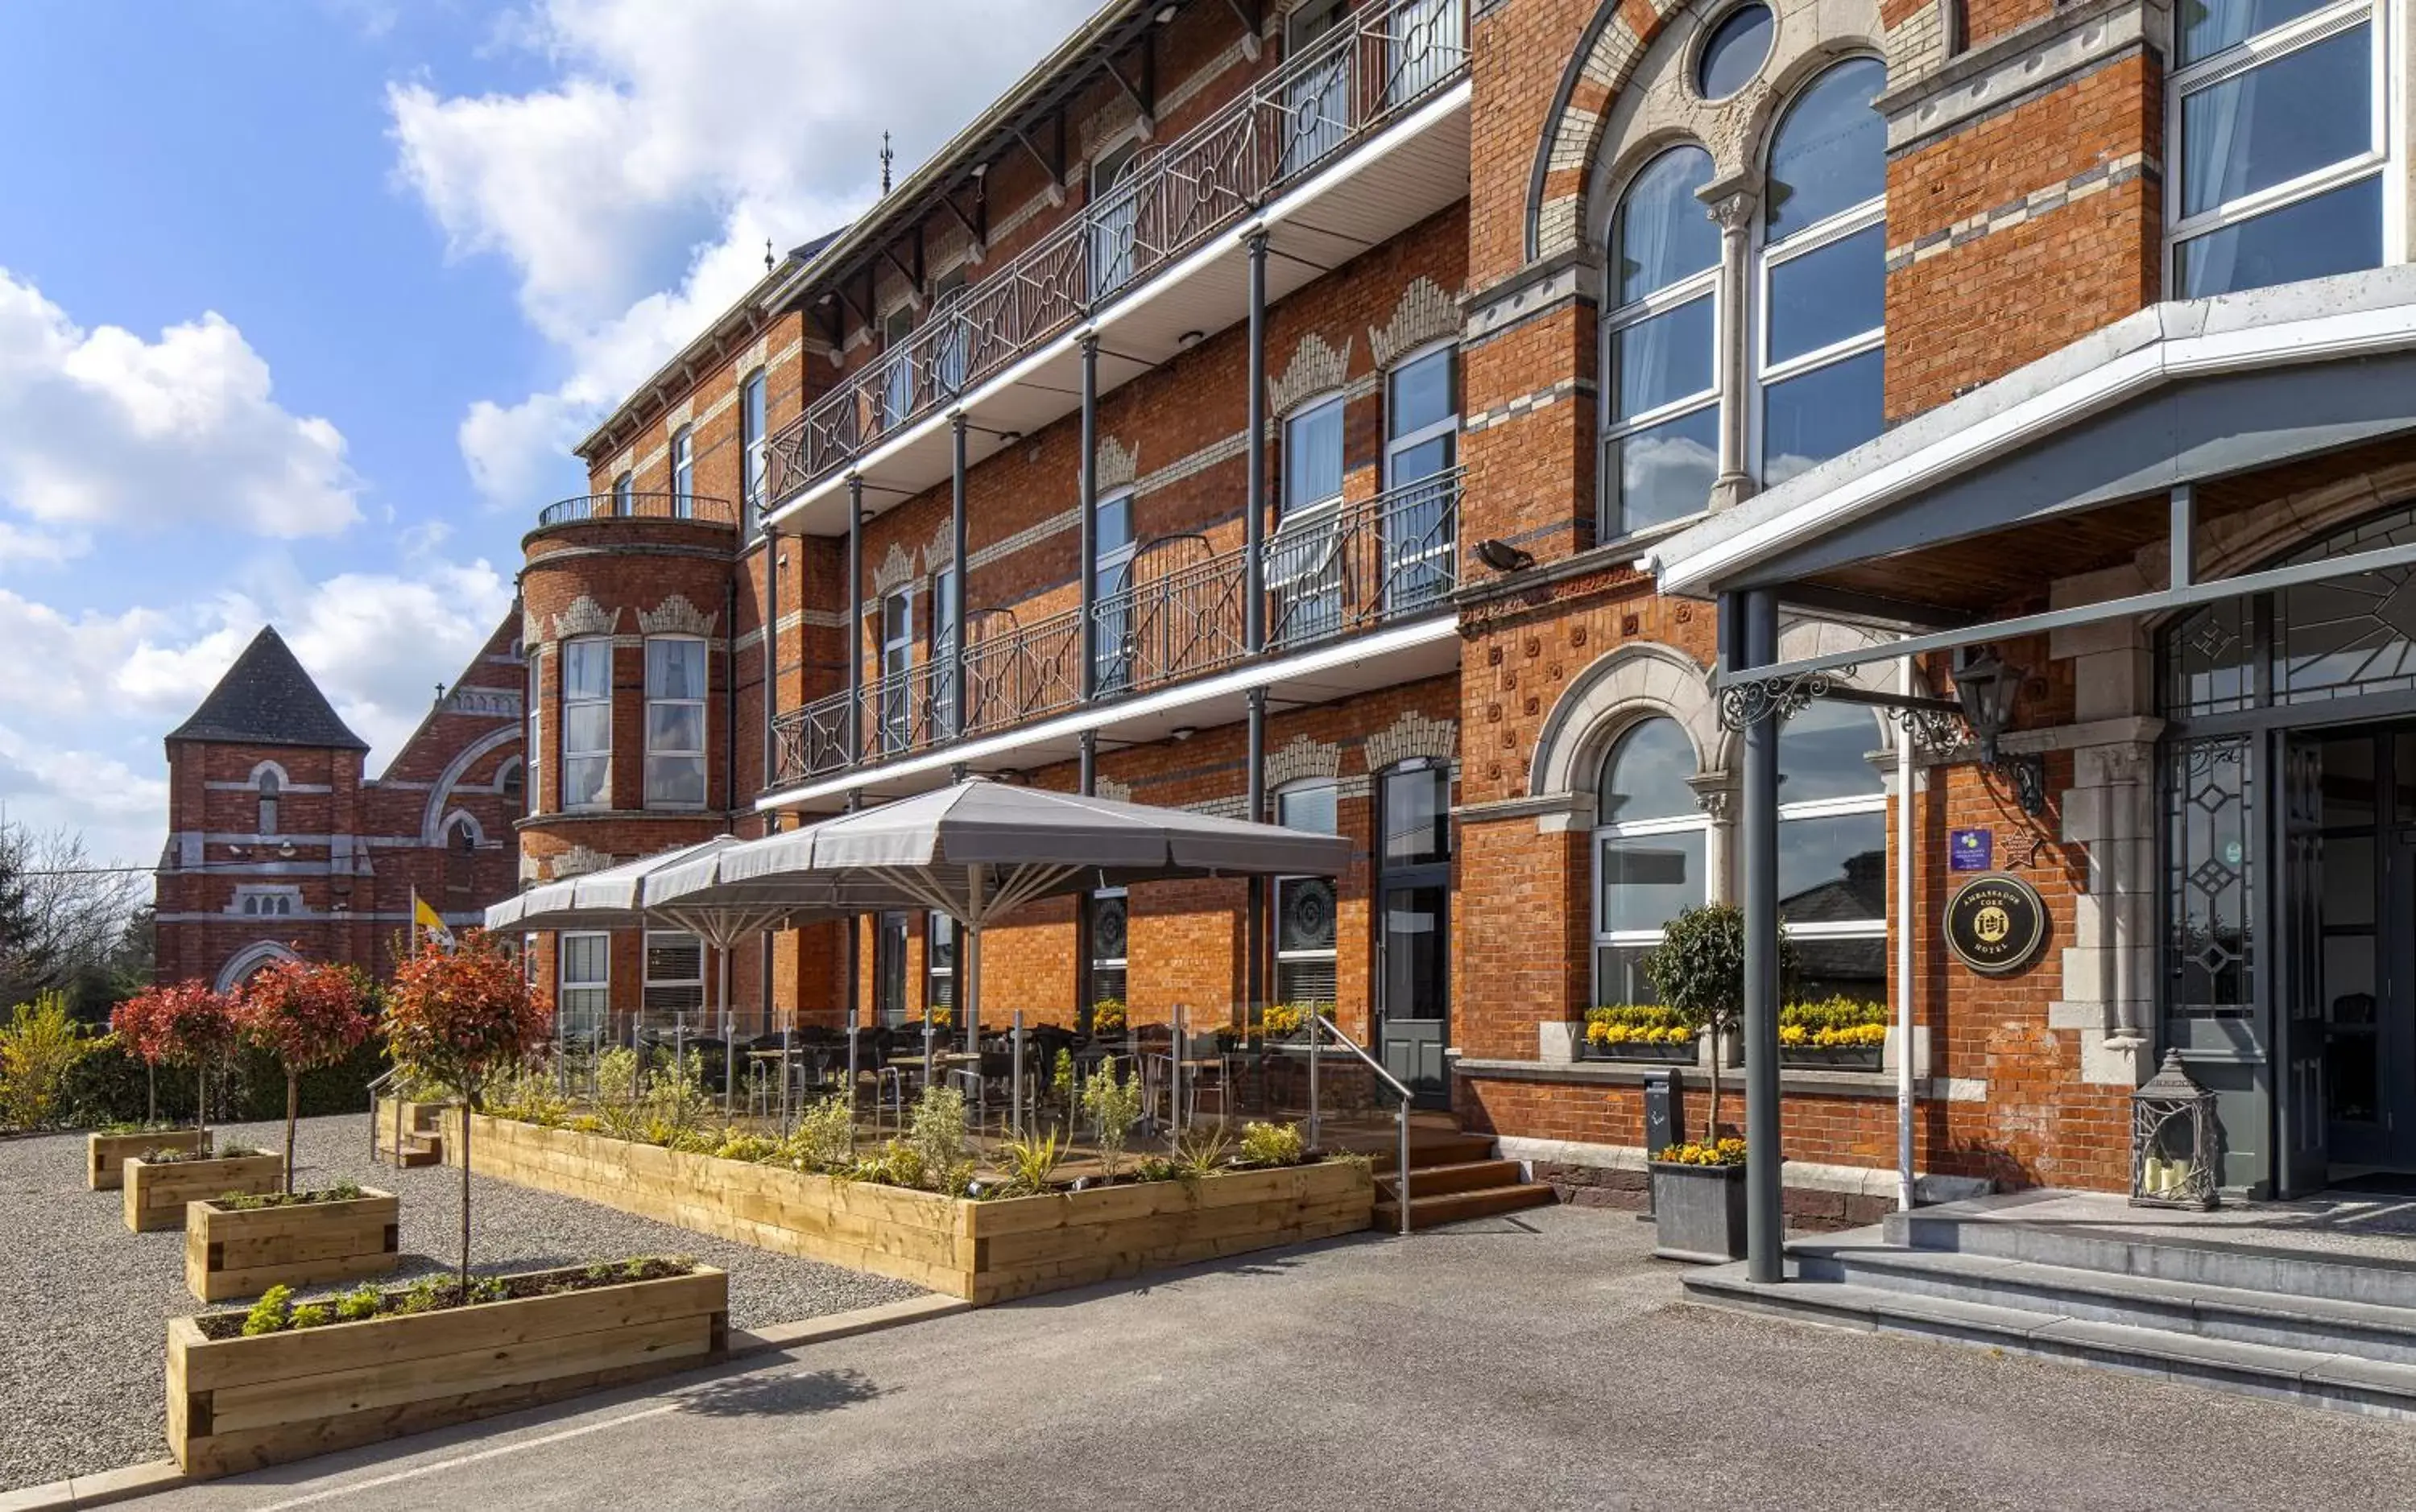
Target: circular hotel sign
{"x": 1996, "y": 924}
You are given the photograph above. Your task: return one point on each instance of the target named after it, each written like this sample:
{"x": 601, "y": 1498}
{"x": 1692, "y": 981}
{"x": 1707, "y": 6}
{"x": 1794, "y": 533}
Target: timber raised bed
{"x": 243, "y": 1252}
{"x": 983, "y": 1251}
{"x": 105, "y": 1154}
{"x": 156, "y": 1195}
{"x": 237, "y": 1404}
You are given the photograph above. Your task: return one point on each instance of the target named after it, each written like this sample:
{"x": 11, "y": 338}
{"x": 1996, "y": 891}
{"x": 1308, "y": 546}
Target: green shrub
{"x": 1112, "y": 1106}
{"x": 1265, "y": 1144}
{"x": 824, "y": 1137}
{"x": 362, "y": 1301}
{"x": 269, "y": 1314}
{"x": 39, "y": 1047}
{"x": 936, "y": 1132}
{"x": 310, "y": 1315}
{"x": 1031, "y": 1161}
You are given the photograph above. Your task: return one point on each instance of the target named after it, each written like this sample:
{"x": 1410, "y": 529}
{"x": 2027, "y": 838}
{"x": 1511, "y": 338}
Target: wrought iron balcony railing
{"x": 1177, "y": 613}
{"x": 1385, "y": 58}
{"x": 611, "y": 506}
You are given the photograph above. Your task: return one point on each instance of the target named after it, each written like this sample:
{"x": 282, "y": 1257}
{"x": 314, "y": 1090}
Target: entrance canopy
{"x": 2138, "y": 437}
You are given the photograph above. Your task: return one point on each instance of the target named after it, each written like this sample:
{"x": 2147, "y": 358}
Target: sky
{"x": 304, "y": 302}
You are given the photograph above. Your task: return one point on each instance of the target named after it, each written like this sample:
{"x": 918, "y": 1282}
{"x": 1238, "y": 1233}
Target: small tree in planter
{"x": 307, "y": 1016}
{"x": 459, "y": 1019}
{"x": 185, "y": 1024}
{"x": 1699, "y": 970}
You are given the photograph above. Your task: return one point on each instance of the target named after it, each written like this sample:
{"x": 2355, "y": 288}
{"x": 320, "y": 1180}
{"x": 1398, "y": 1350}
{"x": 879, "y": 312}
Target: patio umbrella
{"x": 979, "y": 850}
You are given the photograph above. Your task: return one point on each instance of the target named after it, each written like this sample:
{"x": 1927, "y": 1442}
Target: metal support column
{"x": 1765, "y": 1234}
{"x": 958, "y": 553}
{"x": 1254, "y": 525}
{"x": 1254, "y": 932}
{"x": 1090, "y": 519}
{"x": 854, "y": 632}
{"x": 1087, "y": 765}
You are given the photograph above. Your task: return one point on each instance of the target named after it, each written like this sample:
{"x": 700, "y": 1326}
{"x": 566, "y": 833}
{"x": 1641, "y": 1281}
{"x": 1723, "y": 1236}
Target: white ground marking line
{"x": 459, "y": 1460}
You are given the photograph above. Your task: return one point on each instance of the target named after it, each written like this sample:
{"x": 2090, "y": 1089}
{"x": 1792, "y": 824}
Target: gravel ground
{"x": 81, "y": 1319}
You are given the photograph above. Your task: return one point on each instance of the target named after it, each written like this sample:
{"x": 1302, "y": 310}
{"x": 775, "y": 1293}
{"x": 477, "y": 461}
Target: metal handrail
{"x": 693, "y": 508}
{"x": 1385, "y": 58}
{"x": 1401, "y": 1171}
{"x": 379, "y": 1084}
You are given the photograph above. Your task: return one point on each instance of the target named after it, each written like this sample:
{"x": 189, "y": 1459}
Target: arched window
{"x": 269, "y": 790}
{"x": 1833, "y": 845}
{"x": 461, "y": 836}
{"x": 1652, "y": 853}
{"x": 1823, "y": 273}
{"x": 755, "y": 460}
{"x": 513, "y": 782}
{"x": 624, "y": 495}
{"x": 1661, "y": 446}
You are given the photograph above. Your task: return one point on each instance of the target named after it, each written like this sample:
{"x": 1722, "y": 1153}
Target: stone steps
{"x": 1458, "y": 1207}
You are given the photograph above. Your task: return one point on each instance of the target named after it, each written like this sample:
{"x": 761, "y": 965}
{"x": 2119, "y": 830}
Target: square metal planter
{"x": 1698, "y": 1212}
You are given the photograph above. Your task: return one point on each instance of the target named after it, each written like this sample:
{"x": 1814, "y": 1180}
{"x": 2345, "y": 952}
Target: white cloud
{"x": 102, "y": 428}
{"x": 634, "y": 194}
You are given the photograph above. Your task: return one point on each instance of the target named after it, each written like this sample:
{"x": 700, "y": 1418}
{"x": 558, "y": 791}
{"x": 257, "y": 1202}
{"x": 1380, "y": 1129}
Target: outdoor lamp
{"x": 1987, "y": 689}
{"x": 2173, "y": 1154}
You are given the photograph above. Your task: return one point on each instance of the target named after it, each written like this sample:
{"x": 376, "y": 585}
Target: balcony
{"x": 1366, "y": 127}
{"x": 1332, "y": 574}
{"x": 598, "y": 508}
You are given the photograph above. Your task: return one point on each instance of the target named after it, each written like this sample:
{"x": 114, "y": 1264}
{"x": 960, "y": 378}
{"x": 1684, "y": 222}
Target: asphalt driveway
{"x": 1536, "y": 1361}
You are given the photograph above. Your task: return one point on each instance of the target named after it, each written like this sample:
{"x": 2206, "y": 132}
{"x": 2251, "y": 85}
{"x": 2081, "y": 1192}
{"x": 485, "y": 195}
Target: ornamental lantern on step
{"x": 2172, "y": 1140}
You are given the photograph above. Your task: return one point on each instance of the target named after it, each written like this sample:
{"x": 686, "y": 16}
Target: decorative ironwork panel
{"x": 2211, "y": 892}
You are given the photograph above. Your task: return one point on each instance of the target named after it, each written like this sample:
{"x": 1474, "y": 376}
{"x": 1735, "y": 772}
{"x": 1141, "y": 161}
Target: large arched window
{"x": 1822, "y": 276}
{"x": 1661, "y": 446}
{"x": 1833, "y": 845}
{"x": 1652, "y": 853}
{"x": 270, "y": 788}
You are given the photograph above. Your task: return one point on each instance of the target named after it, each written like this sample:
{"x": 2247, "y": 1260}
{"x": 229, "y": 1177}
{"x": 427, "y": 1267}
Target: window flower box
{"x": 105, "y": 1154}
{"x": 242, "y": 1252}
{"x": 1832, "y": 1057}
{"x": 1657, "y": 1052}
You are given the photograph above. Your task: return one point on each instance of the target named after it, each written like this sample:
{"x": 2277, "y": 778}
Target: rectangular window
{"x": 584, "y": 984}
{"x": 624, "y": 495}
{"x": 1421, "y": 448}
{"x": 1111, "y": 559}
{"x": 948, "y": 361}
{"x": 1317, "y": 98}
{"x": 586, "y": 723}
{"x": 1110, "y": 914}
{"x": 675, "y": 688}
{"x": 536, "y": 724}
{"x": 750, "y": 444}
{"x": 1113, "y": 212}
{"x": 674, "y": 975}
{"x": 2280, "y": 109}
{"x": 939, "y": 962}
{"x": 944, "y": 667}
{"x": 1303, "y": 568}
{"x": 895, "y": 697}
{"x": 1305, "y": 905}
{"x": 684, "y": 474}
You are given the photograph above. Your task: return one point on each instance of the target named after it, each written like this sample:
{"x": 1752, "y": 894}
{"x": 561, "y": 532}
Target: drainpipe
{"x": 1904, "y": 964}
{"x": 1254, "y": 615}
{"x": 960, "y": 564}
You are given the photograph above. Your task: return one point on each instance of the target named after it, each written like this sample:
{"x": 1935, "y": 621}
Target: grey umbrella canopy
{"x": 979, "y": 850}
{"x": 606, "y": 899}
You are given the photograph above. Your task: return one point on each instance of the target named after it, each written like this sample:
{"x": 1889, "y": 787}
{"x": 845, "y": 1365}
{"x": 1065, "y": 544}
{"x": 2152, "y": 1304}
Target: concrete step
{"x": 1463, "y": 1176}
{"x": 1457, "y": 1207}
{"x": 2301, "y": 1321}
{"x": 2310, "y": 1377}
{"x": 2201, "y": 1258}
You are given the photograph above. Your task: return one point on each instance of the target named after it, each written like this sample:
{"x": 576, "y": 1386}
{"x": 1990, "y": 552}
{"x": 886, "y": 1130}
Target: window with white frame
{"x": 270, "y": 788}
{"x": 1833, "y": 841}
{"x": 939, "y": 962}
{"x": 1304, "y": 935}
{"x": 2280, "y": 111}
{"x": 944, "y": 672}
{"x": 948, "y": 361}
{"x": 1111, "y": 559}
{"x": 750, "y": 448}
{"x": 683, "y": 473}
{"x": 536, "y": 708}
{"x": 1303, "y": 569}
{"x": 1661, "y": 390}
{"x": 1316, "y": 96}
{"x": 1421, "y": 448}
{"x": 674, "y": 974}
{"x": 587, "y": 723}
{"x": 582, "y": 985}
{"x": 675, "y": 678}
{"x": 1821, "y": 273}
{"x": 896, "y": 704}
{"x": 625, "y": 491}
{"x": 1652, "y": 854}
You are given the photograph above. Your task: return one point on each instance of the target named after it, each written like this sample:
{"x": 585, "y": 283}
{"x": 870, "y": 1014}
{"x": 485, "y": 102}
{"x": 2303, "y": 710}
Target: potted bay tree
{"x": 1698, "y": 1185}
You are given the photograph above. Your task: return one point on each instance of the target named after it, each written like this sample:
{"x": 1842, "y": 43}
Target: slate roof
{"x": 267, "y": 699}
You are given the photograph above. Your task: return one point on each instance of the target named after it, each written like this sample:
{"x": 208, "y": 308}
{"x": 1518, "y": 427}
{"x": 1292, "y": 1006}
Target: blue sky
{"x": 303, "y": 301}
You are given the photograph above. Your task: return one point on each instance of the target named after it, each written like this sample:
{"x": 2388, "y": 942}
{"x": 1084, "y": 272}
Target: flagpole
{"x": 414, "y": 921}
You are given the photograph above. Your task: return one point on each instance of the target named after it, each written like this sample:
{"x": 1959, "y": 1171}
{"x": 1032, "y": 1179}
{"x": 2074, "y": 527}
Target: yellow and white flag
{"x": 425, "y": 918}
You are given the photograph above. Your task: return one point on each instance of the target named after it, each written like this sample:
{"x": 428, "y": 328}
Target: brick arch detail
{"x": 431, "y": 826}
{"x": 1600, "y": 65}
{"x": 1633, "y": 683}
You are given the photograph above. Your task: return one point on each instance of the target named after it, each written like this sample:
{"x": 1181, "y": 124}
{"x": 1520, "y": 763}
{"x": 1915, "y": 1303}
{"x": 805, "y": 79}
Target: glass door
{"x": 1413, "y": 928}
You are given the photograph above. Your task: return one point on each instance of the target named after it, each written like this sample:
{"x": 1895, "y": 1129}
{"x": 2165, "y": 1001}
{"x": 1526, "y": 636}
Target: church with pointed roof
{"x": 281, "y": 844}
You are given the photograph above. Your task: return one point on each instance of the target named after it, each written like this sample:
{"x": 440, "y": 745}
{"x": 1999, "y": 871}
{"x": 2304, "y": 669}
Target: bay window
{"x": 587, "y": 723}
{"x": 675, "y": 688}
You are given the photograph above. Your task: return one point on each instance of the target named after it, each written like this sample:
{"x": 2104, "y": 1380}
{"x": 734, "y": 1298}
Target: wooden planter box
{"x": 156, "y": 1195}
{"x": 982, "y": 1251}
{"x": 105, "y": 1154}
{"x": 234, "y": 1252}
{"x": 237, "y": 1404}
{"x": 1698, "y": 1212}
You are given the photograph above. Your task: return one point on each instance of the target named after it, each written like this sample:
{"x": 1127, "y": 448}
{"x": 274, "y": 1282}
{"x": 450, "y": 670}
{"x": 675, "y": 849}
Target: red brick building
{"x": 281, "y": 844}
{"x": 1284, "y": 410}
